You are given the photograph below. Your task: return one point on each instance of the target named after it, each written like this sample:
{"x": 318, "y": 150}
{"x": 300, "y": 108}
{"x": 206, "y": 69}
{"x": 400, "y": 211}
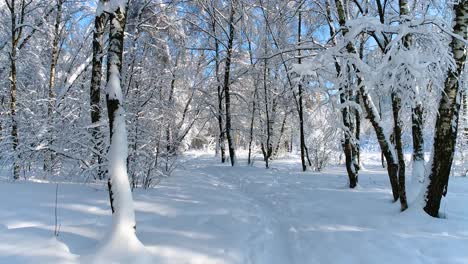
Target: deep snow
{"x": 211, "y": 213}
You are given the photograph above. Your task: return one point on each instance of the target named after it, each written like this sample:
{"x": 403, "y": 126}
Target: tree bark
{"x": 349, "y": 147}
{"x": 227, "y": 95}
{"x": 384, "y": 141}
{"x": 266, "y": 147}
{"x": 48, "y": 161}
{"x": 251, "y": 132}
{"x": 119, "y": 186}
{"x": 95, "y": 90}
{"x": 254, "y": 107}
{"x": 397, "y": 125}
{"x": 447, "y": 120}
{"x": 16, "y": 34}
{"x": 300, "y": 99}
{"x": 373, "y": 115}
{"x": 283, "y": 127}
{"x": 221, "y": 137}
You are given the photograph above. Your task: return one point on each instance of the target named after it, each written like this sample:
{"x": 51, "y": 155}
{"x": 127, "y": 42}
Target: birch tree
{"x": 17, "y": 15}
{"x": 447, "y": 120}
{"x": 49, "y": 159}
{"x": 119, "y": 187}
{"x": 227, "y": 82}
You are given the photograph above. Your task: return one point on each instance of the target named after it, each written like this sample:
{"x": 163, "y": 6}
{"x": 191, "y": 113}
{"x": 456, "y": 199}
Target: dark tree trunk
{"x": 349, "y": 147}
{"x": 418, "y": 139}
{"x": 300, "y": 99}
{"x": 372, "y": 114}
{"x": 417, "y": 109}
{"x": 254, "y": 102}
{"x": 221, "y": 138}
{"x": 283, "y": 127}
{"x": 384, "y": 142}
{"x": 48, "y": 161}
{"x": 16, "y": 33}
{"x": 251, "y": 131}
{"x": 95, "y": 90}
{"x": 227, "y": 95}
{"x": 447, "y": 120}
{"x": 397, "y": 125}
{"x": 220, "y": 95}
{"x": 266, "y": 147}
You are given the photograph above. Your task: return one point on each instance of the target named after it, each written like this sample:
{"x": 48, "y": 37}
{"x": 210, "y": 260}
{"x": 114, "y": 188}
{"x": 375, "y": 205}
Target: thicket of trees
{"x": 322, "y": 78}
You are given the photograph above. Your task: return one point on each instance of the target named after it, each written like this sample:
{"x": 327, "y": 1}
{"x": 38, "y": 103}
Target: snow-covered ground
{"x": 210, "y": 213}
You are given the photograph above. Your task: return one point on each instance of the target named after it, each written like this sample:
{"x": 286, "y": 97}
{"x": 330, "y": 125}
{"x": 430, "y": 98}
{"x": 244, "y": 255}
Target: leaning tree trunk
{"x": 447, "y": 121}
{"x": 280, "y": 136}
{"x": 373, "y": 115}
{"x": 227, "y": 95}
{"x": 95, "y": 90}
{"x": 119, "y": 187}
{"x": 348, "y": 143}
{"x": 416, "y": 110}
{"x": 384, "y": 141}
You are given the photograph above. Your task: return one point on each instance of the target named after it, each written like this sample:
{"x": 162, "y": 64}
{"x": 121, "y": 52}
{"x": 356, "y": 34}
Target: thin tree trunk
{"x": 382, "y": 156}
{"x": 447, "y": 120}
{"x": 266, "y": 147}
{"x": 283, "y": 62}
{"x": 418, "y": 141}
{"x": 291, "y": 140}
{"x": 300, "y": 94}
{"x": 95, "y": 90}
{"x": 373, "y": 115}
{"x": 397, "y": 125}
{"x": 308, "y": 156}
{"x": 347, "y": 144}
{"x": 283, "y": 127}
{"x": 252, "y": 121}
{"x": 221, "y": 137}
{"x": 170, "y": 144}
{"x": 14, "y": 124}
{"x": 384, "y": 141}
{"x": 16, "y": 34}
{"x": 416, "y": 110}
{"x": 254, "y": 102}
{"x": 227, "y": 95}
{"x": 51, "y": 101}
{"x": 345, "y": 96}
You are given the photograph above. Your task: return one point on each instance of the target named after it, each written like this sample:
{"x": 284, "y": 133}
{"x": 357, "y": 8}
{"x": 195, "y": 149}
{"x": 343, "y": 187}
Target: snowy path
{"x": 208, "y": 213}
{"x": 320, "y": 220}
